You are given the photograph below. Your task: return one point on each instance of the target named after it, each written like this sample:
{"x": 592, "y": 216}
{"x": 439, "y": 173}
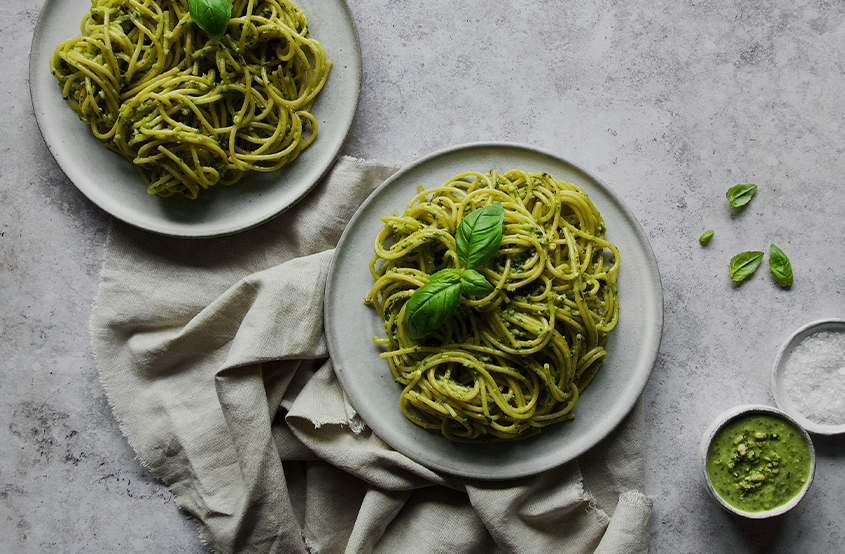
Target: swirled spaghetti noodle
{"x": 187, "y": 110}
{"x": 508, "y": 364}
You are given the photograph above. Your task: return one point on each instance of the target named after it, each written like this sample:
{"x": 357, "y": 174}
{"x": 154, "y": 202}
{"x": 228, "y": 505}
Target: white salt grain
{"x": 814, "y": 377}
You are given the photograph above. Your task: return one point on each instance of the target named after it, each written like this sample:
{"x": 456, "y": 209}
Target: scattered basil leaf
{"x": 744, "y": 264}
{"x": 779, "y": 266}
{"x": 212, "y": 16}
{"x": 705, "y": 236}
{"x": 431, "y": 305}
{"x": 475, "y": 284}
{"x": 740, "y": 195}
{"x": 479, "y": 235}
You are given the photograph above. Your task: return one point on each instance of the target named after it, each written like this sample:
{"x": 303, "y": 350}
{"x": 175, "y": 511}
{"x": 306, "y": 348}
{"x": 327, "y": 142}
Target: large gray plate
{"x": 350, "y": 325}
{"x": 112, "y": 182}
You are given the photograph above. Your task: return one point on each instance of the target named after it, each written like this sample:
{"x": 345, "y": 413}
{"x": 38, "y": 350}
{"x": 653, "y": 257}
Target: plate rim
{"x": 638, "y": 385}
{"x": 223, "y": 227}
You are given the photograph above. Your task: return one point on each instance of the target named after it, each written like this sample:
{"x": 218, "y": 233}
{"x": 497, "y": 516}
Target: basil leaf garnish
{"x": 212, "y": 16}
{"x": 744, "y": 264}
{"x": 431, "y": 305}
{"x": 779, "y": 266}
{"x": 479, "y": 235}
{"x": 477, "y": 239}
{"x": 475, "y": 284}
{"x": 740, "y": 195}
{"x": 450, "y": 274}
{"x": 705, "y": 236}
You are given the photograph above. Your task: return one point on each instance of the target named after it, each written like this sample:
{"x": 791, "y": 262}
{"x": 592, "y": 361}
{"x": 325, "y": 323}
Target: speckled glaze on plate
{"x": 113, "y": 183}
{"x": 781, "y": 395}
{"x": 350, "y": 325}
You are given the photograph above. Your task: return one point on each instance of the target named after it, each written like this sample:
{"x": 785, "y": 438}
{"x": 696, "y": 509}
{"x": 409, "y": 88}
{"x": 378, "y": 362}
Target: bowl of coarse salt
{"x": 809, "y": 377}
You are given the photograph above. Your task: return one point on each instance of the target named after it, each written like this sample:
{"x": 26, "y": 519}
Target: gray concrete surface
{"x": 670, "y": 103}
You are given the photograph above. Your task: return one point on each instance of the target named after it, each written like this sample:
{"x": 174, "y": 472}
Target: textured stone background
{"x": 670, "y": 103}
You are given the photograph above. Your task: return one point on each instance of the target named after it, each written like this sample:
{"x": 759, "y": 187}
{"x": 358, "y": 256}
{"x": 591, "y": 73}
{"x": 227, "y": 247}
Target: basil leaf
{"x": 479, "y": 235}
{"x": 475, "y": 284}
{"x": 779, "y": 266}
{"x": 431, "y": 305}
{"x": 478, "y": 238}
{"x": 740, "y": 195}
{"x": 212, "y": 16}
{"x": 744, "y": 264}
{"x": 705, "y": 236}
{"x": 450, "y": 274}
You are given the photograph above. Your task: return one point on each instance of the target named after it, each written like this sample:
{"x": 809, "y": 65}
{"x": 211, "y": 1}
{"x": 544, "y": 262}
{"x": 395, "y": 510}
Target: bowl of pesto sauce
{"x": 757, "y": 461}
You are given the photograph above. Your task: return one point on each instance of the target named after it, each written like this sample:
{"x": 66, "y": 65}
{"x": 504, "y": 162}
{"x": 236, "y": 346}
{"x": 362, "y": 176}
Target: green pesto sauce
{"x": 758, "y": 462}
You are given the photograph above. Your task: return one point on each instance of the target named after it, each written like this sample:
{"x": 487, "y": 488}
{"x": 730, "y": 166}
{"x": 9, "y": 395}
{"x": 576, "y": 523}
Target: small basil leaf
{"x": 744, "y": 264}
{"x": 705, "y": 236}
{"x": 779, "y": 266}
{"x": 479, "y": 235}
{"x": 740, "y": 195}
{"x": 212, "y": 16}
{"x": 475, "y": 284}
{"x": 430, "y": 306}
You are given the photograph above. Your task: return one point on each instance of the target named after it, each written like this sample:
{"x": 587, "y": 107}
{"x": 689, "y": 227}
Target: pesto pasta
{"x": 515, "y": 360}
{"x": 187, "y": 110}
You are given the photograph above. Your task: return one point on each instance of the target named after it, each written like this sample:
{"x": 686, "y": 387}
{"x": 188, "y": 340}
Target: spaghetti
{"x": 187, "y": 110}
{"x": 505, "y": 365}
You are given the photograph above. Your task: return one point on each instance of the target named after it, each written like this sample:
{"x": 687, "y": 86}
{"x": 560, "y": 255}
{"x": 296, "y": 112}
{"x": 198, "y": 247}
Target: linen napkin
{"x": 213, "y": 356}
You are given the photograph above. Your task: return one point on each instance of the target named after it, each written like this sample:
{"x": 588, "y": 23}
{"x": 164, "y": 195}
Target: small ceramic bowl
{"x": 780, "y": 391}
{"x": 717, "y": 424}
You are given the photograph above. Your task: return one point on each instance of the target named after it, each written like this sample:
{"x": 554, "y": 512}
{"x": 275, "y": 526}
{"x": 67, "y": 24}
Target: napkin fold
{"x": 213, "y": 356}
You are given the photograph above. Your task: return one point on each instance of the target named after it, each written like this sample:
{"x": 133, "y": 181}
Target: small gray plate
{"x": 113, "y": 183}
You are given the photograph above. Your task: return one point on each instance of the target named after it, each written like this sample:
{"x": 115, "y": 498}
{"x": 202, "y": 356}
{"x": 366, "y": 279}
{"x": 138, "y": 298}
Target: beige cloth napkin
{"x": 213, "y": 356}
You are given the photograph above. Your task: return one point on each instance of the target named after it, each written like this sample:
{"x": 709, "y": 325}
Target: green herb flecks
{"x": 779, "y": 266}
{"x": 743, "y": 265}
{"x": 740, "y": 195}
{"x": 705, "y": 236}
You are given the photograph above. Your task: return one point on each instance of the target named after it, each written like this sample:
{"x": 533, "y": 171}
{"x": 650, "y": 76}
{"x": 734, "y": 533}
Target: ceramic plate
{"x": 350, "y": 325}
{"x": 781, "y": 393}
{"x": 112, "y": 182}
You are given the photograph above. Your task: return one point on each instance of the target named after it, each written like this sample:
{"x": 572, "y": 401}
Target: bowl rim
{"x": 729, "y": 415}
{"x": 782, "y": 400}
